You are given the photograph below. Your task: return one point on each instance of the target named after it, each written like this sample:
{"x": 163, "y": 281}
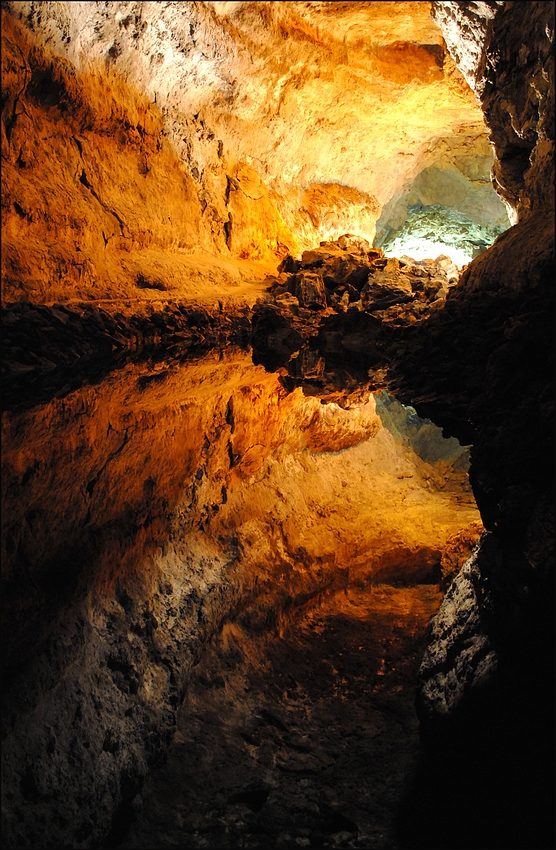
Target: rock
{"x": 459, "y": 549}
{"x": 384, "y": 290}
{"x": 289, "y": 265}
{"x": 344, "y": 270}
{"x": 429, "y": 227}
{"x": 333, "y": 429}
{"x": 354, "y": 244}
{"x": 344, "y": 295}
{"x": 287, "y": 300}
{"x": 309, "y": 289}
{"x": 459, "y": 657}
{"x": 340, "y": 298}
{"x": 273, "y": 338}
{"x": 314, "y": 259}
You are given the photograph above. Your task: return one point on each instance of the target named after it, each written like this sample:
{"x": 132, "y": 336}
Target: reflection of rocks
{"x": 274, "y": 339}
{"x": 328, "y": 318}
{"x": 295, "y": 723}
{"x": 138, "y": 514}
{"x": 48, "y": 351}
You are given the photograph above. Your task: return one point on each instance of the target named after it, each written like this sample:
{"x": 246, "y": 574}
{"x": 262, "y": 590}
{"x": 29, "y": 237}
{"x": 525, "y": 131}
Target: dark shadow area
{"x": 48, "y": 352}
{"x": 487, "y": 779}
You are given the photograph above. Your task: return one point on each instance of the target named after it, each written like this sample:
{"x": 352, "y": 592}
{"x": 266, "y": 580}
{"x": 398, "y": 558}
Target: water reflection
{"x": 97, "y": 482}
{"x": 142, "y": 513}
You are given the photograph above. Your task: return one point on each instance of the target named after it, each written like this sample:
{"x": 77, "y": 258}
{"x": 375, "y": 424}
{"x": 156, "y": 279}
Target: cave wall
{"x": 514, "y": 82}
{"x": 241, "y": 112}
{"x": 96, "y": 202}
{"x": 498, "y": 326}
{"x": 459, "y": 179}
{"x": 481, "y": 367}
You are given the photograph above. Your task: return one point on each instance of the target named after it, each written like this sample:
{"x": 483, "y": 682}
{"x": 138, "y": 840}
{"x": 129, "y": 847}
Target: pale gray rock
{"x": 465, "y": 26}
{"x": 459, "y": 657}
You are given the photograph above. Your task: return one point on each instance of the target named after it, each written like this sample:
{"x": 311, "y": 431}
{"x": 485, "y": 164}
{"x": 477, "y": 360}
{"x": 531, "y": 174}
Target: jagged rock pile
{"x": 350, "y": 275}
{"x": 326, "y": 317}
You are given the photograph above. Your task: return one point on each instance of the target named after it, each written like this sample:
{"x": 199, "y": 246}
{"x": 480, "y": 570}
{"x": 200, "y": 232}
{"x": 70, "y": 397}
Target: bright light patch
{"x": 431, "y": 231}
{"x": 426, "y": 249}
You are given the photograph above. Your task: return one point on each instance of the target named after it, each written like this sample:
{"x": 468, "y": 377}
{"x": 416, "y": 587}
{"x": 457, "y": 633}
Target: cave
{"x": 278, "y": 424}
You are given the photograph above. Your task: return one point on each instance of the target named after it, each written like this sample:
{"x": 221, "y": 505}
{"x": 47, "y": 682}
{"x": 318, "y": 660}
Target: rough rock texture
{"x": 459, "y": 180}
{"x": 517, "y": 98}
{"x": 482, "y": 367}
{"x": 465, "y": 27}
{"x": 95, "y": 202}
{"x": 348, "y": 275}
{"x": 459, "y": 656}
{"x": 504, "y": 307}
{"x": 49, "y": 351}
{"x": 301, "y": 724}
{"x": 142, "y": 513}
{"x": 428, "y": 231}
{"x": 116, "y": 578}
{"x": 515, "y": 85}
{"x": 240, "y": 111}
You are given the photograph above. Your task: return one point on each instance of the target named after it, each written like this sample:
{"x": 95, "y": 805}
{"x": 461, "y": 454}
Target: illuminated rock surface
{"x": 461, "y": 237}
{"x": 242, "y": 113}
{"x": 179, "y": 179}
{"x": 157, "y": 506}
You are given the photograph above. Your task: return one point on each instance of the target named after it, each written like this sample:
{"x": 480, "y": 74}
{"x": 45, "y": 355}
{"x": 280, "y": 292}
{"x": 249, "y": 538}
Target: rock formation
{"x": 181, "y": 181}
{"x": 241, "y": 112}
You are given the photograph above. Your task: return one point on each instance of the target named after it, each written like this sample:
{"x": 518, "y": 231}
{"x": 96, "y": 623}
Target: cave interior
{"x": 278, "y": 424}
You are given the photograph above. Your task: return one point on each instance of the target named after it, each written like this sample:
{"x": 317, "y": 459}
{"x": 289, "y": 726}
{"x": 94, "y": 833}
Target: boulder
{"x": 289, "y": 265}
{"x": 354, "y": 244}
{"x": 288, "y": 301}
{"x": 309, "y": 289}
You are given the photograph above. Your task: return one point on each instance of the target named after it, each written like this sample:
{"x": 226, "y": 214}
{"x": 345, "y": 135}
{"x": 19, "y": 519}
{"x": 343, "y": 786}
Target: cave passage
{"x": 436, "y": 230}
{"x": 246, "y": 247}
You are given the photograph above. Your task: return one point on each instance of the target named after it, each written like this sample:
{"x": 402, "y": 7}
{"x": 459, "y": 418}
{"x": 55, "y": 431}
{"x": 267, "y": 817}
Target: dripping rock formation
{"x": 248, "y": 451}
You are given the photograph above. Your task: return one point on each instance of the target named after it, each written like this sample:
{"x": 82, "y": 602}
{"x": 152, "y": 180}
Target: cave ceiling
{"x": 360, "y": 95}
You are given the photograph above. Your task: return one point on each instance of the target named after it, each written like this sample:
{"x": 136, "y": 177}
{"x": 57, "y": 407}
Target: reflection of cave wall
{"x": 102, "y": 626}
{"x": 423, "y": 435}
{"x": 155, "y": 506}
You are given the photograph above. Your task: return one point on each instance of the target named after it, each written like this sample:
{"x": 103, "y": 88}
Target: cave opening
{"x": 432, "y": 231}
{"x": 277, "y": 511}
{"x": 449, "y": 208}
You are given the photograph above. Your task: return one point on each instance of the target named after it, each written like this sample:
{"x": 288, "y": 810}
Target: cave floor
{"x": 305, "y": 738}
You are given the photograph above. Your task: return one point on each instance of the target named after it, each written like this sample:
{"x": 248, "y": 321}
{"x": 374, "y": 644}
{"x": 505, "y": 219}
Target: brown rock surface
{"x": 241, "y": 112}
{"x": 138, "y": 516}
{"x": 301, "y": 725}
{"x": 158, "y": 159}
